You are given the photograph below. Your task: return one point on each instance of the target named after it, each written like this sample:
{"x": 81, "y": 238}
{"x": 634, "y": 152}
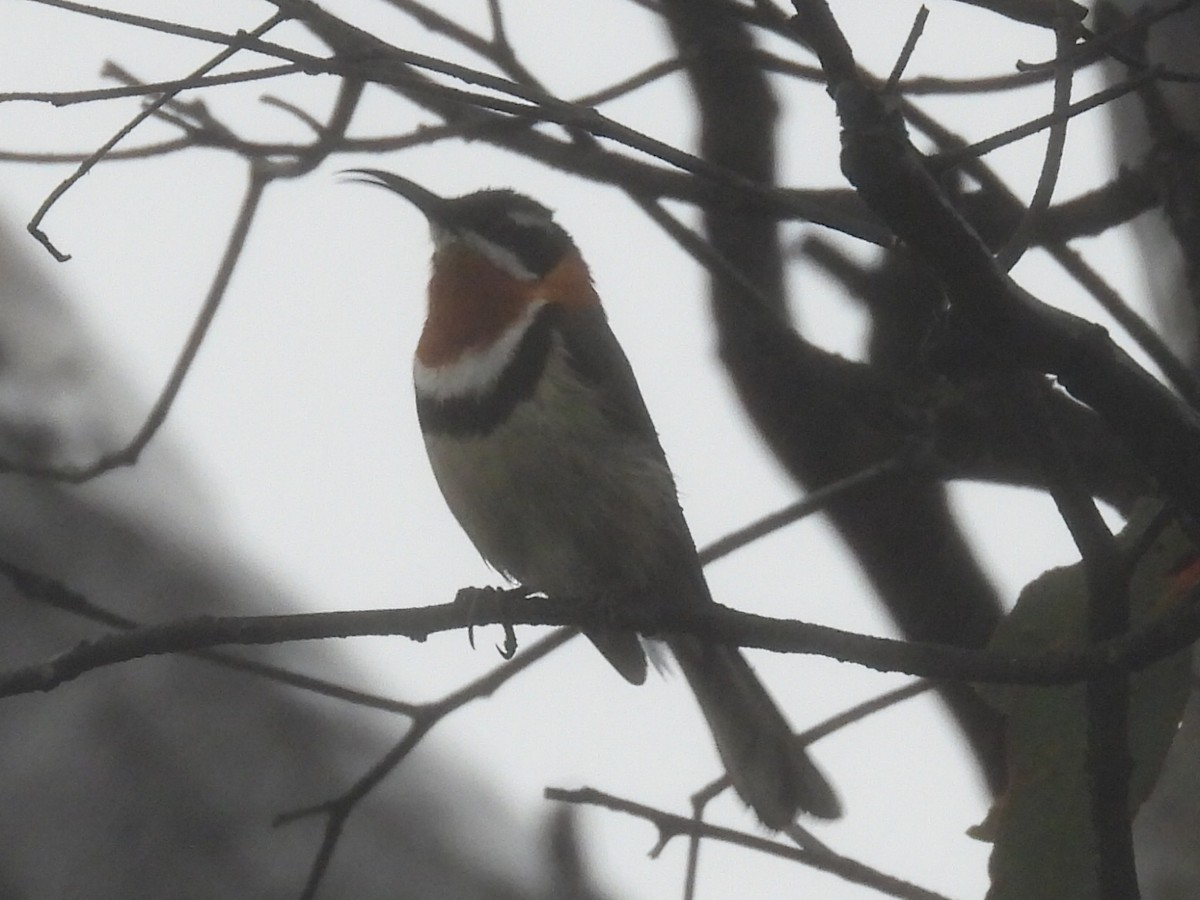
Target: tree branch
{"x": 475, "y": 607}
{"x": 670, "y": 826}
{"x": 1012, "y": 325}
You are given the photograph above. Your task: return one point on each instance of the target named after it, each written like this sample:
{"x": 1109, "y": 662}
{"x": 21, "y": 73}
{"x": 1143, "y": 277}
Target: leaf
{"x": 1041, "y": 828}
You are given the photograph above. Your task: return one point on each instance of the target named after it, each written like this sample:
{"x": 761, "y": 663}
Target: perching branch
{"x": 475, "y": 607}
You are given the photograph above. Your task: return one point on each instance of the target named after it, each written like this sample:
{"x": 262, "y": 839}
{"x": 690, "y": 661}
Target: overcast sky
{"x": 299, "y": 422}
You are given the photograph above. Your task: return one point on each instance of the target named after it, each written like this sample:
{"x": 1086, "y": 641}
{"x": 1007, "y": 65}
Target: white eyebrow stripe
{"x": 499, "y": 256}
{"x": 473, "y": 372}
{"x": 528, "y": 218}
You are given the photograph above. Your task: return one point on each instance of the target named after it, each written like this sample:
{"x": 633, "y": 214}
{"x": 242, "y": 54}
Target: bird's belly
{"x": 557, "y": 500}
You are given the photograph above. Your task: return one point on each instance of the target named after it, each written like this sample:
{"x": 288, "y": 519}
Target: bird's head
{"x": 513, "y": 232}
{"x": 499, "y": 258}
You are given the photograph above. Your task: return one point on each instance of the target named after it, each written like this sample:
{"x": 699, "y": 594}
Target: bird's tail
{"x": 770, "y": 771}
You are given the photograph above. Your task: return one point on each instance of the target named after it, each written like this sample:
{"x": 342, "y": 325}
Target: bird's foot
{"x": 472, "y": 597}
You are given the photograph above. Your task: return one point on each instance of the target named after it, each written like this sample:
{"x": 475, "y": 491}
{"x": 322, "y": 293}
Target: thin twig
{"x": 338, "y": 809}
{"x": 86, "y": 166}
{"x": 834, "y": 723}
{"x": 262, "y": 172}
{"x": 500, "y": 39}
{"x": 361, "y": 56}
{"x": 1142, "y": 333}
{"x": 1177, "y": 372}
{"x": 906, "y": 52}
{"x": 68, "y": 98}
{"x": 1018, "y": 242}
{"x": 670, "y": 825}
{"x": 860, "y": 711}
{"x": 814, "y": 501}
{"x": 704, "y": 252}
{"x": 637, "y": 80}
{"x": 56, "y": 595}
{"x": 161, "y": 148}
{"x": 163, "y": 26}
{"x": 952, "y": 158}
{"x": 128, "y": 455}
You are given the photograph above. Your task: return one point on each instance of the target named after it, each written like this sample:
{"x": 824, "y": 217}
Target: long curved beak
{"x": 432, "y": 205}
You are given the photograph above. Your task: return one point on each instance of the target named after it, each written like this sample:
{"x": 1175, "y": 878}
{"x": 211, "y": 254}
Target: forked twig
{"x": 34, "y": 226}
{"x": 337, "y": 810}
{"x": 129, "y": 454}
{"x": 670, "y": 826}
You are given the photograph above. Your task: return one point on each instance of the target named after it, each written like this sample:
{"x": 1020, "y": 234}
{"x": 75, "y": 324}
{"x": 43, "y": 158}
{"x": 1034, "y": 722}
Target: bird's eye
{"x": 528, "y": 235}
{"x": 539, "y": 247}
{"x": 517, "y": 233}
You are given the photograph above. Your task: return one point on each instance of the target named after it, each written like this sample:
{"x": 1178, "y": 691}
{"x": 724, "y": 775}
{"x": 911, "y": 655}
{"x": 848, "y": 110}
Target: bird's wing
{"x": 597, "y": 357}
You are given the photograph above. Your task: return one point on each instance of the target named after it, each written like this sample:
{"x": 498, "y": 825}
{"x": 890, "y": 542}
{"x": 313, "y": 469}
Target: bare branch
{"x": 953, "y": 158}
{"x": 670, "y": 826}
{"x": 1018, "y": 242}
{"x": 834, "y": 723}
{"x": 1171, "y": 632}
{"x": 129, "y": 454}
{"x": 813, "y": 502}
{"x": 67, "y": 98}
{"x": 151, "y": 108}
{"x": 1035, "y": 12}
{"x": 906, "y": 52}
{"x": 1107, "y": 575}
{"x": 163, "y": 26}
{"x": 1019, "y": 329}
{"x": 424, "y": 718}
{"x": 262, "y": 173}
{"x": 56, "y": 595}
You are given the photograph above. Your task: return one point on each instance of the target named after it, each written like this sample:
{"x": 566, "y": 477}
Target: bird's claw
{"x": 472, "y": 597}
{"x": 509, "y": 649}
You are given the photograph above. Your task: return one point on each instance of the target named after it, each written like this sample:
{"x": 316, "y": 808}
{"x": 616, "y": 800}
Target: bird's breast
{"x": 554, "y": 495}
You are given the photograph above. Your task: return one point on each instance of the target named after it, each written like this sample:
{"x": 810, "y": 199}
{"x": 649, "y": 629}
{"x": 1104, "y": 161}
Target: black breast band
{"x": 478, "y": 414}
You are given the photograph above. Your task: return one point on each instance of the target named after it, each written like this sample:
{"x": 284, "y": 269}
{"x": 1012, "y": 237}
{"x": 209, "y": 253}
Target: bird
{"x": 545, "y": 453}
